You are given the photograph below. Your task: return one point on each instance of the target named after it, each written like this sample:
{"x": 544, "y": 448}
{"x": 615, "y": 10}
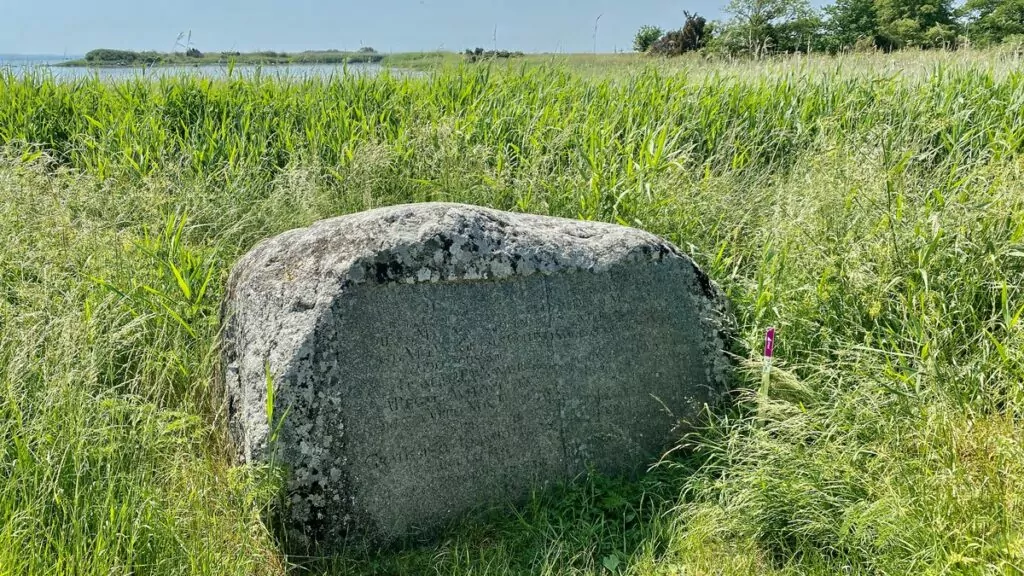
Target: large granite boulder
{"x": 428, "y": 359}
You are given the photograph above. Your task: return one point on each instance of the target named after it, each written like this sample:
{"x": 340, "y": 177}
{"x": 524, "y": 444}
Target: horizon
{"x": 69, "y": 29}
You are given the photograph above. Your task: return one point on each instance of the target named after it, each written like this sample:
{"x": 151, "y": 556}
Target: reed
{"x": 870, "y": 207}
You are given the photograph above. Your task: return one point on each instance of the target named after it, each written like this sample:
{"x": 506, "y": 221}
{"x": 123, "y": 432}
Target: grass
{"x": 876, "y": 217}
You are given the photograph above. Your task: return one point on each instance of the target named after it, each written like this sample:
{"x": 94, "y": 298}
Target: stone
{"x": 427, "y": 360}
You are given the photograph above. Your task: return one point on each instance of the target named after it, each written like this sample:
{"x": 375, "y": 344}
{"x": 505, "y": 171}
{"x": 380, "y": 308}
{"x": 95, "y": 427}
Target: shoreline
{"x": 92, "y": 66}
{"x": 219, "y": 61}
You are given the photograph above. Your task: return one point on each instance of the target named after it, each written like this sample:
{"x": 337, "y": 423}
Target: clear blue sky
{"x": 75, "y": 27}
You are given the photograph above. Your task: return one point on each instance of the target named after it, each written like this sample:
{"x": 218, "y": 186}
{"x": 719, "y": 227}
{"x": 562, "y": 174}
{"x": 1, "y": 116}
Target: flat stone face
{"x": 431, "y": 359}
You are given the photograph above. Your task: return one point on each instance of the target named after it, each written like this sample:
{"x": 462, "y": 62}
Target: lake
{"x": 44, "y": 64}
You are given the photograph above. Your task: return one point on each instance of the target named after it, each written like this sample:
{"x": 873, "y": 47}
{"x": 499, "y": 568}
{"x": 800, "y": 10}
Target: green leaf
{"x": 270, "y": 394}
{"x": 93, "y": 121}
{"x": 186, "y": 290}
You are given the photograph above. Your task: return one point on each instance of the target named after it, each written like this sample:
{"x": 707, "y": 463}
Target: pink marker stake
{"x": 769, "y": 350}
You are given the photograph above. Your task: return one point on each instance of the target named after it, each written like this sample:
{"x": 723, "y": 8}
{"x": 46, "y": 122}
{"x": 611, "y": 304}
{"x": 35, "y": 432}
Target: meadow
{"x": 870, "y": 207}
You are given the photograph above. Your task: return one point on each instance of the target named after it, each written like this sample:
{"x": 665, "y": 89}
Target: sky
{"x": 74, "y": 27}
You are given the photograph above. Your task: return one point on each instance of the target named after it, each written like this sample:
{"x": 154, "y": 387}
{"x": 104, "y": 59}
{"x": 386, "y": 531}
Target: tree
{"x": 645, "y": 37}
{"x": 850, "y": 22}
{"x": 692, "y": 36}
{"x": 761, "y": 27}
{"x": 992, "y": 21}
{"x": 805, "y": 33}
{"x": 693, "y": 33}
{"x": 924, "y": 23}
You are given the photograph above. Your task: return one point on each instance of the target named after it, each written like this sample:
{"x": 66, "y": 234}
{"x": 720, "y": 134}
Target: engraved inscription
{"x": 458, "y": 390}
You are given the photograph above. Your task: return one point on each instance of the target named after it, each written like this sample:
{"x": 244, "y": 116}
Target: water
{"x": 21, "y": 64}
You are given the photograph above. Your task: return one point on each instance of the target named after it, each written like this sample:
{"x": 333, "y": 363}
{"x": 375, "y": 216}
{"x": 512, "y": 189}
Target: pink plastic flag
{"x": 769, "y": 351}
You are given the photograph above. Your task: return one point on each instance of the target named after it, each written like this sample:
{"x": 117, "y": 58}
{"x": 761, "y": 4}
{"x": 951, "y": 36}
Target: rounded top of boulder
{"x": 432, "y": 242}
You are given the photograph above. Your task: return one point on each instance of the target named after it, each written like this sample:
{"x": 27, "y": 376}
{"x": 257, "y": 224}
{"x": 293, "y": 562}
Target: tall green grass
{"x": 876, "y": 218}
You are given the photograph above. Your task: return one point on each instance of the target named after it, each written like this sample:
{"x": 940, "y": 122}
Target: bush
{"x": 480, "y": 54}
{"x": 107, "y": 56}
{"x": 1015, "y": 42}
{"x": 941, "y": 36}
{"x": 646, "y": 37}
{"x": 865, "y": 44}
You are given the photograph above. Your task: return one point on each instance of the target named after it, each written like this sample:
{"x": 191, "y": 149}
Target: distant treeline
{"x": 764, "y": 27}
{"x": 192, "y": 56}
